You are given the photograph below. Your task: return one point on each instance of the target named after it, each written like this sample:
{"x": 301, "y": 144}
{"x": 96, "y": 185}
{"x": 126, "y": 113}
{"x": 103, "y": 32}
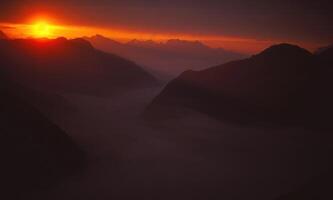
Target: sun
{"x": 42, "y": 29}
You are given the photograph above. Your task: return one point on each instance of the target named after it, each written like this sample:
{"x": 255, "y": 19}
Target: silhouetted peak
{"x": 284, "y": 51}
{"x": 100, "y": 39}
{"x": 61, "y": 39}
{"x": 82, "y": 43}
{"x": 97, "y": 37}
{"x": 3, "y": 35}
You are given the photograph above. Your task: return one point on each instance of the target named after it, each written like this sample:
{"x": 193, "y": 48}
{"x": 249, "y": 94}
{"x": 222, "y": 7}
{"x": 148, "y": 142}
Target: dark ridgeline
{"x": 167, "y": 59}
{"x": 35, "y": 153}
{"x": 63, "y": 65}
{"x": 283, "y": 84}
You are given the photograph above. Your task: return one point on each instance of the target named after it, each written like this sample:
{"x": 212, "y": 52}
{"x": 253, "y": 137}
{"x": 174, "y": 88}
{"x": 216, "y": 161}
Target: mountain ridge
{"x": 263, "y": 87}
{"x": 70, "y": 66}
{"x": 168, "y": 58}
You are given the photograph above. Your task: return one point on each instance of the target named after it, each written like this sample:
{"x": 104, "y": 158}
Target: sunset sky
{"x": 244, "y": 26}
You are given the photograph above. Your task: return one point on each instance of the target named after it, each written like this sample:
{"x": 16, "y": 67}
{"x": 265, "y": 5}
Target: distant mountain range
{"x": 282, "y": 84}
{"x": 166, "y": 59}
{"x": 69, "y": 66}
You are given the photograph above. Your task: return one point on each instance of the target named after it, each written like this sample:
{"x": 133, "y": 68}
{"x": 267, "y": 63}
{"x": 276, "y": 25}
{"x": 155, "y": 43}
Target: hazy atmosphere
{"x": 166, "y": 100}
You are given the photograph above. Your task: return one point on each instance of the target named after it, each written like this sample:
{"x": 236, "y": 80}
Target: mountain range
{"x": 75, "y": 66}
{"x": 166, "y": 59}
{"x": 284, "y": 83}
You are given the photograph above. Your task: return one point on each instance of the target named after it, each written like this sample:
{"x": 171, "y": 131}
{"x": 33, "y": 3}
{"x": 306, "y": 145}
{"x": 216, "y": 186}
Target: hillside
{"x": 73, "y": 66}
{"x": 284, "y": 83}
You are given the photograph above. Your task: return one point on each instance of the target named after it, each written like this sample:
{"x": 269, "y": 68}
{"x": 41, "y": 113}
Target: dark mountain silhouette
{"x": 3, "y": 35}
{"x": 284, "y": 83}
{"x": 35, "y": 153}
{"x": 69, "y": 66}
{"x": 167, "y": 59}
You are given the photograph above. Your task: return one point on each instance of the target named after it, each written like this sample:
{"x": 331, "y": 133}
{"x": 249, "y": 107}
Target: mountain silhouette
{"x": 70, "y": 66}
{"x": 3, "y": 35}
{"x": 166, "y": 59}
{"x": 284, "y": 83}
{"x": 35, "y": 153}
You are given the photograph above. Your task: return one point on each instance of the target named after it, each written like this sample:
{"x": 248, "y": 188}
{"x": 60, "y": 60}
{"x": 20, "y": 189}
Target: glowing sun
{"x": 42, "y": 29}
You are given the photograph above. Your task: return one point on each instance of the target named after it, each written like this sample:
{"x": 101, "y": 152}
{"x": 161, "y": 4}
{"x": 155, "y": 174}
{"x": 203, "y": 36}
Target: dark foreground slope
{"x": 70, "y": 66}
{"x": 34, "y": 152}
{"x": 284, "y": 83}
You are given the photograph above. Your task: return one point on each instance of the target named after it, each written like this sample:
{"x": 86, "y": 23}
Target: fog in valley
{"x": 192, "y": 157}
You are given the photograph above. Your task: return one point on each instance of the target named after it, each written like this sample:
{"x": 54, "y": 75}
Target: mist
{"x": 191, "y": 157}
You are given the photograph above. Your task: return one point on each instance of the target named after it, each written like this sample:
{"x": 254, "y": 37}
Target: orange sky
{"x": 238, "y": 44}
{"x": 238, "y": 25}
